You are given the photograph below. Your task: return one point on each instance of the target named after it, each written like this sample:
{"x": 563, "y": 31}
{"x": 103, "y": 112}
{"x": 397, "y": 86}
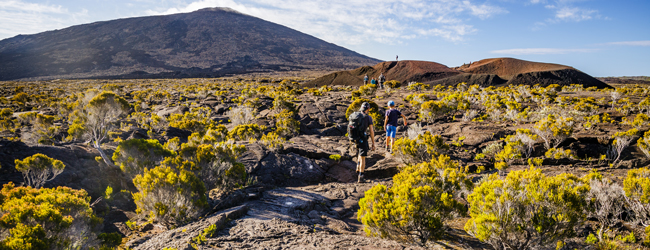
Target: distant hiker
{"x": 360, "y": 121}
{"x": 365, "y": 79}
{"x": 373, "y": 81}
{"x": 396, "y": 57}
{"x": 382, "y": 79}
{"x": 390, "y": 125}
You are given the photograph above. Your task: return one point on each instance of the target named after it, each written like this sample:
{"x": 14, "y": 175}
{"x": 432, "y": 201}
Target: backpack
{"x": 357, "y": 126}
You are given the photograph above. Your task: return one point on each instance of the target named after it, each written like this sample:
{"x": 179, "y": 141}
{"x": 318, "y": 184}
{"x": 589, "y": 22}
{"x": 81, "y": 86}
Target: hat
{"x": 365, "y": 106}
{"x": 391, "y": 103}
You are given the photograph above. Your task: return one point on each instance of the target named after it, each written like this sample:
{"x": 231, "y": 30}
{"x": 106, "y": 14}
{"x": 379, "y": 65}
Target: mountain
{"x": 487, "y": 72}
{"x": 206, "y": 43}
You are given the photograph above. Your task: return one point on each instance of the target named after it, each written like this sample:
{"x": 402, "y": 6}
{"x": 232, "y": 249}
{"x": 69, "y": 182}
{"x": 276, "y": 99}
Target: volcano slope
{"x": 487, "y": 72}
{"x": 205, "y": 43}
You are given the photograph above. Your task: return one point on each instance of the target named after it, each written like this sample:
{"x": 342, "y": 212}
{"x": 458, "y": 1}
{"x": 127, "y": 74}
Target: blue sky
{"x": 598, "y": 37}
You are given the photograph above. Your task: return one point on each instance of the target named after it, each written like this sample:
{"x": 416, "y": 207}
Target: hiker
{"x": 390, "y": 125}
{"x": 396, "y": 57}
{"x": 382, "y": 79}
{"x": 373, "y": 81}
{"x": 365, "y": 79}
{"x": 360, "y": 121}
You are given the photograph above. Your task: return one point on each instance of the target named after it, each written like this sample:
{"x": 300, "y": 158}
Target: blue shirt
{"x": 393, "y": 115}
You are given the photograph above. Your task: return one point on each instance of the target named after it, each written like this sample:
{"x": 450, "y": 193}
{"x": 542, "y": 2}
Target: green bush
{"x": 273, "y": 141}
{"x": 45, "y": 218}
{"x": 286, "y": 125}
{"x": 197, "y": 120}
{"x": 554, "y": 130}
{"x": 422, "y": 149}
{"x": 644, "y": 143}
{"x": 637, "y": 184}
{"x": 96, "y": 118}
{"x": 246, "y": 132}
{"x": 134, "y": 155}
{"x": 216, "y": 164}
{"x": 169, "y": 195}
{"x": 432, "y": 110}
{"x": 42, "y": 126}
{"x": 415, "y": 207}
{"x": 38, "y": 169}
{"x": 527, "y": 209}
{"x": 393, "y": 84}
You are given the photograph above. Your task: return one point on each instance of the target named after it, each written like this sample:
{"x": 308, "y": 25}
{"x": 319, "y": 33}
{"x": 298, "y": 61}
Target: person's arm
{"x": 403, "y": 117}
{"x": 372, "y": 136}
{"x": 386, "y": 121}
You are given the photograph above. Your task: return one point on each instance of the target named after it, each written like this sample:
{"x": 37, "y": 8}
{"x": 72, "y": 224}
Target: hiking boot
{"x": 361, "y": 179}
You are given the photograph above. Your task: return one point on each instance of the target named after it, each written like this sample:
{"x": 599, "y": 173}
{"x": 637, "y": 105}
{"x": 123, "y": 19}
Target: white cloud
{"x": 631, "y": 43}
{"x": 540, "y": 51}
{"x": 19, "y": 17}
{"x": 354, "y": 22}
{"x": 574, "y": 14}
{"x": 566, "y": 11}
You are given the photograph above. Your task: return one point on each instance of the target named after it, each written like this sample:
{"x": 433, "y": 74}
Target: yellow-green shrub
{"x": 393, "y": 84}
{"x": 513, "y": 150}
{"x": 197, "y": 120}
{"x": 422, "y": 149}
{"x": 42, "y": 126}
{"x": 273, "y": 141}
{"x": 286, "y": 125}
{"x": 555, "y": 153}
{"x": 527, "y": 209}
{"x": 245, "y": 132}
{"x": 639, "y": 121}
{"x": 637, "y": 184}
{"x": 417, "y": 86}
{"x": 553, "y": 130}
{"x": 432, "y": 110}
{"x": 134, "y": 155}
{"x": 416, "y": 99}
{"x": 620, "y": 143}
{"x": 169, "y": 195}
{"x": 215, "y": 164}
{"x": 644, "y": 143}
{"x": 415, "y": 207}
{"x": 38, "y": 169}
{"x": 46, "y": 218}
{"x": 96, "y": 118}
{"x": 368, "y": 89}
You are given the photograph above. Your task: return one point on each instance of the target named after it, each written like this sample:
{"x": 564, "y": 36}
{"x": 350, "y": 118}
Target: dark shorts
{"x": 362, "y": 148}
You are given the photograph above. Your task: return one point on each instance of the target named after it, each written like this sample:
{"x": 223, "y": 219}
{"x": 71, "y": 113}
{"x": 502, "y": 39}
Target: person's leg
{"x": 363, "y": 152}
{"x": 390, "y": 134}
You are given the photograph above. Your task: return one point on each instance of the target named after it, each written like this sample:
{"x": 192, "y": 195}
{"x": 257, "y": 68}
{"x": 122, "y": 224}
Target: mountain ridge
{"x": 486, "y": 72}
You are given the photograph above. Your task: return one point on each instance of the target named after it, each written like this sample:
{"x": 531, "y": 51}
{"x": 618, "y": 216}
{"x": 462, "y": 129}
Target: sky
{"x": 598, "y": 37}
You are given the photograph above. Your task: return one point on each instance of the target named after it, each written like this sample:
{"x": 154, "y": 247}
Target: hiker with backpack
{"x": 360, "y": 121}
{"x": 382, "y": 79}
{"x": 365, "y": 79}
{"x": 390, "y": 125}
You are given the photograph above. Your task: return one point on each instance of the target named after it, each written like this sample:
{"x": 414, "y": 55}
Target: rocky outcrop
{"x": 182, "y": 238}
